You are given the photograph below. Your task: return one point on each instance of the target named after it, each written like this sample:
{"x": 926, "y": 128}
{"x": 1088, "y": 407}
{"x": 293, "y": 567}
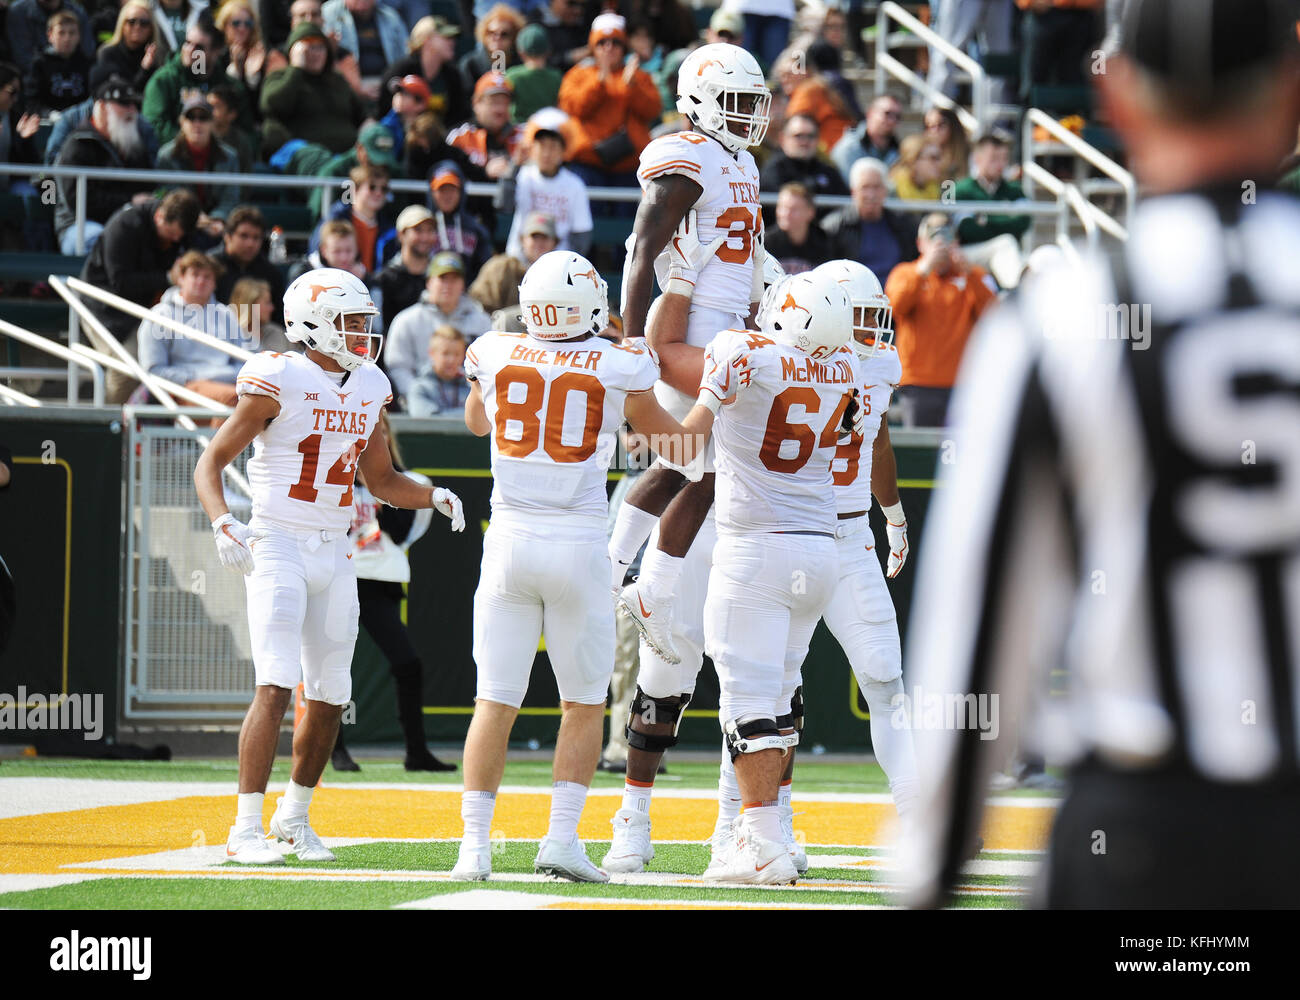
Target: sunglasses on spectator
{"x": 728, "y": 35}
{"x": 201, "y": 46}
{"x": 240, "y": 22}
{"x": 376, "y": 187}
{"x": 803, "y": 136}
{"x": 891, "y": 113}
{"x": 500, "y": 33}
{"x": 136, "y": 22}
{"x": 198, "y": 116}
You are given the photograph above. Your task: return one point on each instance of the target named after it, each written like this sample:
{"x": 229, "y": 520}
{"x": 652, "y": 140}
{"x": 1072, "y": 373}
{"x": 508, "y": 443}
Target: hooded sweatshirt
{"x": 321, "y": 108}
{"x": 459, "y": 231}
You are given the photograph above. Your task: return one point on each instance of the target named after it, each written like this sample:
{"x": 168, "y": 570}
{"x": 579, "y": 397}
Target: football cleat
{"x": 723, "y": 844}
{"x": 249, "y": 847}
{"x": 795, "y": 849}
{"x": 567, "y": 861}
{"x": 299, "y": 835}
{"x": 631, "y": 850}
{"x": 472, "y": 864}
{"x": 758, "y": 862}
{"x": 654, "y": 619}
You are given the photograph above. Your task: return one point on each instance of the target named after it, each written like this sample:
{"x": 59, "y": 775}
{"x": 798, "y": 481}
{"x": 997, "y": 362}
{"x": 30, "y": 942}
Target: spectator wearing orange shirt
{"x": 937, "y": 300}
{"x": 611, "y": 106}
{"x": 490, "y": 139}
{"x": 809, "y": 93}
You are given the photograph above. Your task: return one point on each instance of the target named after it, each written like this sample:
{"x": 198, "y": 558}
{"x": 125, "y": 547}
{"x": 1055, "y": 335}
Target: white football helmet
{"x": 873, "y": 316}
{"x": 315, "y": 309}
{"x": 810, "y": 312}
{"x": 563, "y": 296}
{"x": 710, "y": 84}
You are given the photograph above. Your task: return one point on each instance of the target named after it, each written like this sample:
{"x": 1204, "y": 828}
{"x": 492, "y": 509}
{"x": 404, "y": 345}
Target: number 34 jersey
{"x": 304, "y": 462}
{"x": 555, "y": 409}
{"x": 728, "y": 204}
{"x": 775, "y": 443}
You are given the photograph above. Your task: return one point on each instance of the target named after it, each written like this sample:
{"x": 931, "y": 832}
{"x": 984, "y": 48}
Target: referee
{"x": 1124, "y": 503}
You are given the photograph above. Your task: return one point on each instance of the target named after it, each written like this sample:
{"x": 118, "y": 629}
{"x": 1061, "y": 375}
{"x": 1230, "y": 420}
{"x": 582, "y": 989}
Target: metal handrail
{"x": 13, "y": 396}
{"x": 59, "y": 351}
{"x": 885, "y": 63}
{"x": 1085, "y": 151}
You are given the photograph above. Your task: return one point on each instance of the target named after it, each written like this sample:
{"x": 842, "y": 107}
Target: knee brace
{"x": 750, "y": 734}
{"x": 655, "y": 711}
{"x": 793, "y": 719}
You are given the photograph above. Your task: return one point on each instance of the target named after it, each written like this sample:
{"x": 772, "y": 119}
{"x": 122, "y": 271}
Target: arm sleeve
{"x": 156, "y": 109}
{"x": 997, "y": 541}
{"x": 122, "y": 245}
{"x": 153, "y": 349}
{"x": 280, "y": 93}
{"x": 643, "y": 99}
{"x": 581, "y": 92}
{"x": 901, "y": 287}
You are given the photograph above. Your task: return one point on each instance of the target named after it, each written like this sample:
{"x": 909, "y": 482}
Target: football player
{"x": 552, "y": 399}
{"x": 775, "y": 566}
{"x": 310, "y": 417}
{"x": 861, "y": 612}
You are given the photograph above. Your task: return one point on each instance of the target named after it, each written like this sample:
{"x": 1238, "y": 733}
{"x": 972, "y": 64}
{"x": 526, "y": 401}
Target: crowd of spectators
{"x": 542, "y": 98}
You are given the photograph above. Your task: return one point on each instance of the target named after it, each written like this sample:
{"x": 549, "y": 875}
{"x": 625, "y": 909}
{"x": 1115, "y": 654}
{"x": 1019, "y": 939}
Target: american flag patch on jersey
{"x": 573, "y": 314}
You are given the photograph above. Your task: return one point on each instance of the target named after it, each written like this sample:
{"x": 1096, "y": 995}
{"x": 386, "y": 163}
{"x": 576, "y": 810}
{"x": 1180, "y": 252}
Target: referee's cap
{"x": 1198, "y": 46}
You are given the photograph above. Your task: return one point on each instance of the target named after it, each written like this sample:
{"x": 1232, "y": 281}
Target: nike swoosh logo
{"x": 759, "y": 868}
{"x": 366, "y": 402}
{"x": 225, "y": 530}
{"x": 349, "y": 555}
{"x": 642, "y": 603}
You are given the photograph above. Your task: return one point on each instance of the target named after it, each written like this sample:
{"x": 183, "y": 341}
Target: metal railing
{"x": 888, "y": 65}
{"x": 73, "y": 359}
{"x": 1065, "y": 141}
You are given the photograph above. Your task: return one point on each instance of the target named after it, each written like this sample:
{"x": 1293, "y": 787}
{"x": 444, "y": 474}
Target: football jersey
{"x": 775, "y": 443}
{"x": 303, "y": 464}
{"x": 729, "y": 199}
{"x": 555, "y": 410}
{"x": 851, "y": 469}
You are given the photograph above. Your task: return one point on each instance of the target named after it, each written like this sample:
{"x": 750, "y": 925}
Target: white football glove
{"x": 446, "y": 502}
{"x": 896, "y": 529}
{"x": 717, "y": 386}
{"x": 231, "y": 535}
{"x": 687, "y": 256}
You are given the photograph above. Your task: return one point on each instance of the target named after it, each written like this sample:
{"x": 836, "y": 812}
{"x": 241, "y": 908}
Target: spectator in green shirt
{"x": 537, "y": 84}
{"x": 992, "y": 241}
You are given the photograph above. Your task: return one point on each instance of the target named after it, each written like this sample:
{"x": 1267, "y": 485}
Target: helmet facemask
{"x": 876, "y": 322}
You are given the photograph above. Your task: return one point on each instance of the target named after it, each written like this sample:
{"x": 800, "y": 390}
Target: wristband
{"x": 894, "y": 514}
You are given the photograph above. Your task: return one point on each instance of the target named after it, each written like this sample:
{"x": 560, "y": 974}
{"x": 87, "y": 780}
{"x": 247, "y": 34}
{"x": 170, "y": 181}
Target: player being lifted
{"x": 775, "y": 567}
{"x": 553, "y": 399}
{"x": 310, "y": 417}
{"x": 700, "y": 188}
{"x": 861, "y": 612}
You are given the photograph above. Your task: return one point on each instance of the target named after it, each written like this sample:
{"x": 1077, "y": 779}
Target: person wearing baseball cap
{"x": 1117, "y": 441}
{"x": 444, "y": 303}
{"x": 612, "y": 104}
{"x": 402, "y": 279}
{"x": 457, "y": 229}
{"x": 490, "y": 138}
{"x": 198, "y": 150}
{"x": 111, "y": 137}
{"x": 310, "y": 100}
{"x": 431, "y": 54}
{"x": 497, "y": 285}
{"x": 536, "y": 83}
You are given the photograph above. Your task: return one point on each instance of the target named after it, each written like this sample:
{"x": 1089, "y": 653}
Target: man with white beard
{"x": 111, "y": 138}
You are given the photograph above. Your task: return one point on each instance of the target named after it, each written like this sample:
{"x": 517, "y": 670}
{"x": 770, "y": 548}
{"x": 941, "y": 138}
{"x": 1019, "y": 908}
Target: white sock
{"x": 567, "y": 800}
{"x": 248, "y": 815}
{"x": 728, "y": 790}
{"x": 476, "y": 809}
{"x": 297, "y": 799}
{"x": 765, "y": 821}
{"x": 660, "y": 573}
{"x": 636, "y": 797}
{"x": 905, "y": 794}
{"x": 632, "y": 527}
{"x": 783, "y": 794}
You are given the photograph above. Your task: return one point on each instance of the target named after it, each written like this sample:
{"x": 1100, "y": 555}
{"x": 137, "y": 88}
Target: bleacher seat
{"x": 24, "y": 266}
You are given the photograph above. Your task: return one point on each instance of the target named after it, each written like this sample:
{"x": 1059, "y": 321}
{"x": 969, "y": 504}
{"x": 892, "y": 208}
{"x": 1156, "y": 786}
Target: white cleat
{"x": 795, "y": 849}
{"x": 655, "y": 620}
{"x": 250, "y": 848}
{"x": 299, "y": 835}
{"x": 473, "y": 864}
{"x": 759, "y": 862}
{"x": 567, "y": 861}
{"x": 631, "y": 850}
{"x": 723, "y": 843}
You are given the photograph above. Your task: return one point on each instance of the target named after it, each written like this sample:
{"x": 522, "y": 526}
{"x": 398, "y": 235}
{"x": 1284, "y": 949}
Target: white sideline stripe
{"x": 492, "y": 899}
{"x": 23, "y": 883}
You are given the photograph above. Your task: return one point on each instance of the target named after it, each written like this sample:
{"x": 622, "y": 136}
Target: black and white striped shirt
{"x": 1123, "y": 502}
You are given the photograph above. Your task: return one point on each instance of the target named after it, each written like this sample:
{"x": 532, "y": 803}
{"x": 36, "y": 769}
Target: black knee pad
{"x": 794, "y": 718}
{"x": 655, "y": 711}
